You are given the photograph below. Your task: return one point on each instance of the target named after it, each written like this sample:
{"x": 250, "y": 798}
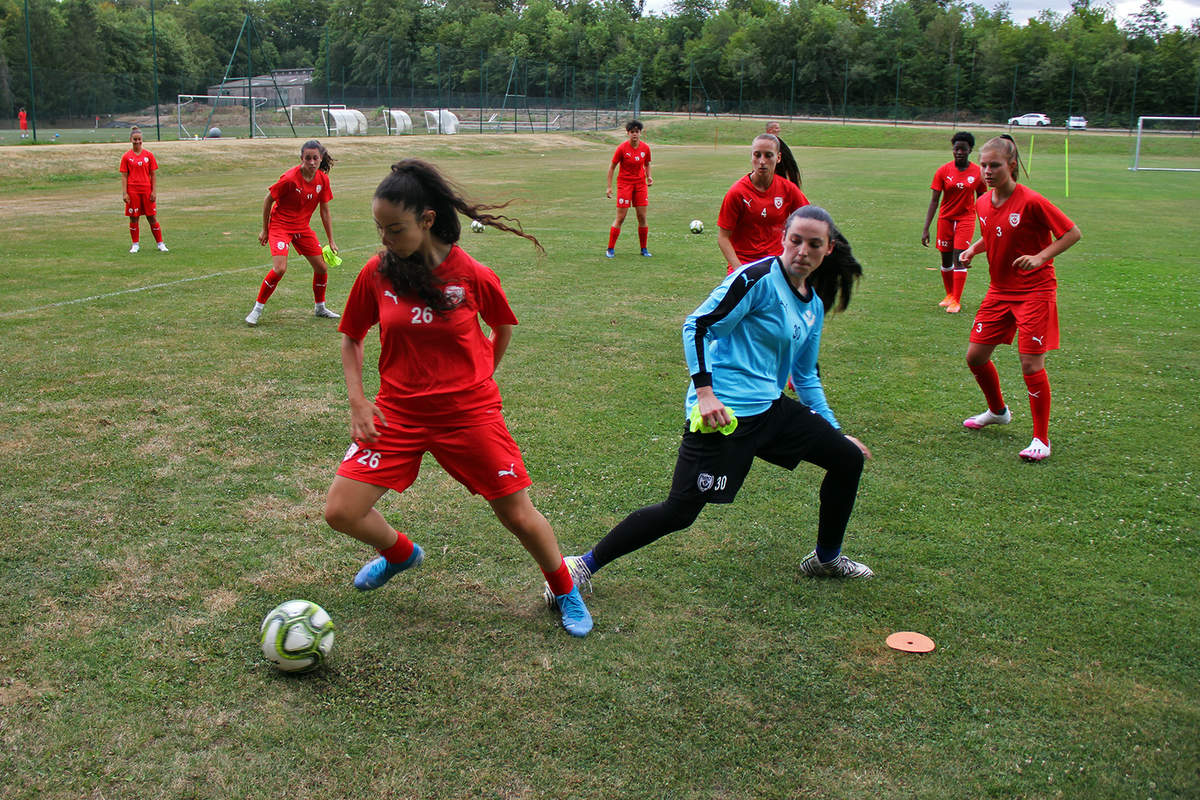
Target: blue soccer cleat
{"x": 645, "y": 252}
{"x": 378, "y": 571}
{"x": 609, "y": 253}
{"x": 575, "y": 616}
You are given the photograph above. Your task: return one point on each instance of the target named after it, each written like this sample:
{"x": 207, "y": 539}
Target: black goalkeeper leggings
{"x": 843, "y": 467}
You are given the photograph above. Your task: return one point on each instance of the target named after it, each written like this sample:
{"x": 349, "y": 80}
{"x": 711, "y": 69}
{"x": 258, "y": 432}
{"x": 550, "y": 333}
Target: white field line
{"x": 136, "y": 289}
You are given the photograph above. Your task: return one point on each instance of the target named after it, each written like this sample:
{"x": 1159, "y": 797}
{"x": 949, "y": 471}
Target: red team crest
{"x": 1014, "y": 219}
{"x": 779, "y": 202}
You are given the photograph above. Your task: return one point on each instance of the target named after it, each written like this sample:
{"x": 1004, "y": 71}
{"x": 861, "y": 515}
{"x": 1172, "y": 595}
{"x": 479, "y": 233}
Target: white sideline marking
{"x": 31, "y": 309}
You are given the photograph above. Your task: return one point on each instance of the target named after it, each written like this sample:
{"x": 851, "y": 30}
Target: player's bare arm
{"x": 1059, "y": 245}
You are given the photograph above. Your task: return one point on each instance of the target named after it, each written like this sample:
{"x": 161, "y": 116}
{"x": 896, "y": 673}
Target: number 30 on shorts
{"x": 367, "y": 457}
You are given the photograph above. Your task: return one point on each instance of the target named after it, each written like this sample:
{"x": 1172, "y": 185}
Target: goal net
{"x": 203, "y": 116}
{"x": 344, "y": 122}
{"x": 441, "y": 121}
{"x": 1167, "y": 144}
{"x": 396, "y": 121}
{"x": 308, "y": 121}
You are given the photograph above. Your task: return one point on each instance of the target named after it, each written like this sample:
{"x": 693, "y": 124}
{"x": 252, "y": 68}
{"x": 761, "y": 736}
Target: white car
{"x": 1077, "y": 123}
{"x": 1030, "y": 119}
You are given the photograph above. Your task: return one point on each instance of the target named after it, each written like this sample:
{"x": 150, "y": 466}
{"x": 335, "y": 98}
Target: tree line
{"x": 928, "y": 58}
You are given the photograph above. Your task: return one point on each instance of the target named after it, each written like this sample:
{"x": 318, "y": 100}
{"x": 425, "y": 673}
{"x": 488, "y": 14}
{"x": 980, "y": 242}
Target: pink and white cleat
{"x": 1036, "y": 451}
{"x": 988, "y": 417}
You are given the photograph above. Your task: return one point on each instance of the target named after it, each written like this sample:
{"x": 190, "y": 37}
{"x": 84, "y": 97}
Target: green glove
{"x": 331, "y": 258}
{"x": 697, "y": 422}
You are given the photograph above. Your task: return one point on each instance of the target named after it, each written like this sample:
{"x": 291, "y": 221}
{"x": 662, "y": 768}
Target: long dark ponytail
{"x": 834, "y": 280}
{"x": 326, "y": 159}
{"x": 418, "y": 186}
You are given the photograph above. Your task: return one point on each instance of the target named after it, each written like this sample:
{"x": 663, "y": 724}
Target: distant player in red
{"x": 287, "y": 210}
{"x": 138, "y": 189}
{"x": 437, "y": 393}
{"x": 633, "y": 180}
{"x": 1022, "y": 232}
{"x": 958, "y": 184}
{"x": 755, "y": 208}
{"x": 23, "y": 122}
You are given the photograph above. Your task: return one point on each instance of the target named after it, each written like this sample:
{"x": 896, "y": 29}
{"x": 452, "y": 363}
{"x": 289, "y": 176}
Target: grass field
{"x": 165, "y": 469}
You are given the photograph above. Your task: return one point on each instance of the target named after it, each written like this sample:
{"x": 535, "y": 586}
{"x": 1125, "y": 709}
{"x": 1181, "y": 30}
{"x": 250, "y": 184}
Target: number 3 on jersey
{"x": 421, "y": 315}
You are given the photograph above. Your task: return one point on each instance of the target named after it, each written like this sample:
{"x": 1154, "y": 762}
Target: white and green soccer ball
{"x": 697, "y": 226}
{"x": 477, "y": 226}
{"x": 296, "y": 636}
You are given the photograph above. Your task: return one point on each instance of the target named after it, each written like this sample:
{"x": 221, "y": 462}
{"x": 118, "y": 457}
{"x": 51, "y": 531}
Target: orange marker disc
{"x": 910, "y": 642}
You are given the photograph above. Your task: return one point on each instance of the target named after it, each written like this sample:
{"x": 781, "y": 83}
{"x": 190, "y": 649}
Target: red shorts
{"x": 305, "y": 242}
{"x": 484, "y": 458}
{"x": 1034, "y": 319}
{"x": 633, "y": 194}
{"x": 140, "y": 203}
{"x": 955, "y": 234}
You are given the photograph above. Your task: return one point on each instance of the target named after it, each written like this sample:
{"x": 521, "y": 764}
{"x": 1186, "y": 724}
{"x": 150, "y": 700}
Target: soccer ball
{"x": 697, "y": 226}
{"x": 214, "y": 133}
{"x": 477, "y": 226}
{"x": 296, "y": 636}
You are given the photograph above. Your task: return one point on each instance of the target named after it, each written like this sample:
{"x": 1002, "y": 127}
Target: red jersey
{"x": 959, "y": 188}
{"x": 1022, "y": 226}
{"x": 434, "y": 369}
{"x": 138, "y": 167}
{"x": 296, "y": 199}
{"x": 755, "y": 219}
{"x": 633, "y": 161}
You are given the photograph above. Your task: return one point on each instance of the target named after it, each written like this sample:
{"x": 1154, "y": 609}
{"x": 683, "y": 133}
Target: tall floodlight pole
{"x": 29, "y": 60}
{"x": 154, "y": 45}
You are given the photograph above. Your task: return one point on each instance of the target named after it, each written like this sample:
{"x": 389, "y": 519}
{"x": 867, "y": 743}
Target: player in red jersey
{"x": 289, "y": 206}
{"x": 23, "y": 122}
{"x": 139, "y": 190}
{"x": 633, "y": 180}
{"x": 958, "y": 184}
{"x": 436, "y": 388}
{"x": 755, "y": 208}
{"x": 1022, "y": 232}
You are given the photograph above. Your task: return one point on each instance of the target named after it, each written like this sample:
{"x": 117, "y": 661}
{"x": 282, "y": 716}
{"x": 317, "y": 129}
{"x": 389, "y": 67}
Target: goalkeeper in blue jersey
{"x": 762, "y": 324}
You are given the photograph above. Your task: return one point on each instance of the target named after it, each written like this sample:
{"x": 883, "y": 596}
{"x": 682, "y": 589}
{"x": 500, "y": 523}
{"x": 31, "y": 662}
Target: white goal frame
{"x": 289, "y": 109}
{"x": 182, "y": 100}
{"x": 1137, "y": 150}
{"x": 350, "y": 120}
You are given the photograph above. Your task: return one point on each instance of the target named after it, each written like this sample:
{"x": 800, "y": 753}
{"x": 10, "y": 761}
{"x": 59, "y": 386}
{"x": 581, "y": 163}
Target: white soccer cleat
{"x": 322, "y": 311}
{"x": 1036, "y": 451}
{"x": 988, "y": 418}
{"x": 254, "y": 315}
{"x": 840, "y": 567}
{"x": 579, "y": 573}
{"x": 162, "y": 248}
{"x": 135, "y": 247}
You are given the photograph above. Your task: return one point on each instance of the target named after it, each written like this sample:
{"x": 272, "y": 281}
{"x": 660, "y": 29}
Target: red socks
{"x": 642, "y": 234}
{"x": 613, "y": 233}
{"x": 134, "y": 230}
{"x": 560, "y": 580}
{"x": 989, "y": 381}
{"x": 958, "y": 282}
{"x": 319, "y": 283}
{"x": 156, "y": 229}
{"x": 1039, "y": 404}
{"x": 400, "y": 552}
{"x": 948, "y": 280}
{"x": 268, "y": 285}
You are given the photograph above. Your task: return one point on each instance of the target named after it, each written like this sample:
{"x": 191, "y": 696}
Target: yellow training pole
{"x": 1029, "y": 160}
{"x": 1067, "y": 166}
{"x": 715, "y": 138}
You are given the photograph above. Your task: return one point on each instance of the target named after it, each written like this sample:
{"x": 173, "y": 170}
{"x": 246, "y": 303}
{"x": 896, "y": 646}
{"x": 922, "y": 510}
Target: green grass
{"x": 165, "y": 468}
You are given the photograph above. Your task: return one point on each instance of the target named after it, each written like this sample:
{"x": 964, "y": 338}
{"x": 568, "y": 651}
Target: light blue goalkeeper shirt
{"x": 750, "y": 335}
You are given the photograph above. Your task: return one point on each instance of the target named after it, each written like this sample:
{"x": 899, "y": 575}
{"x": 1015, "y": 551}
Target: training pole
{"x": 1067, "y": 167}
{"x": 1029, "y": 161}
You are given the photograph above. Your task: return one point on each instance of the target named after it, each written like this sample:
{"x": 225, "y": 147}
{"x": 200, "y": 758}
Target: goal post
{"x": 1173, "y": 143}
{"x": 197, "y": 114}
{"x": 344, "y": 122}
